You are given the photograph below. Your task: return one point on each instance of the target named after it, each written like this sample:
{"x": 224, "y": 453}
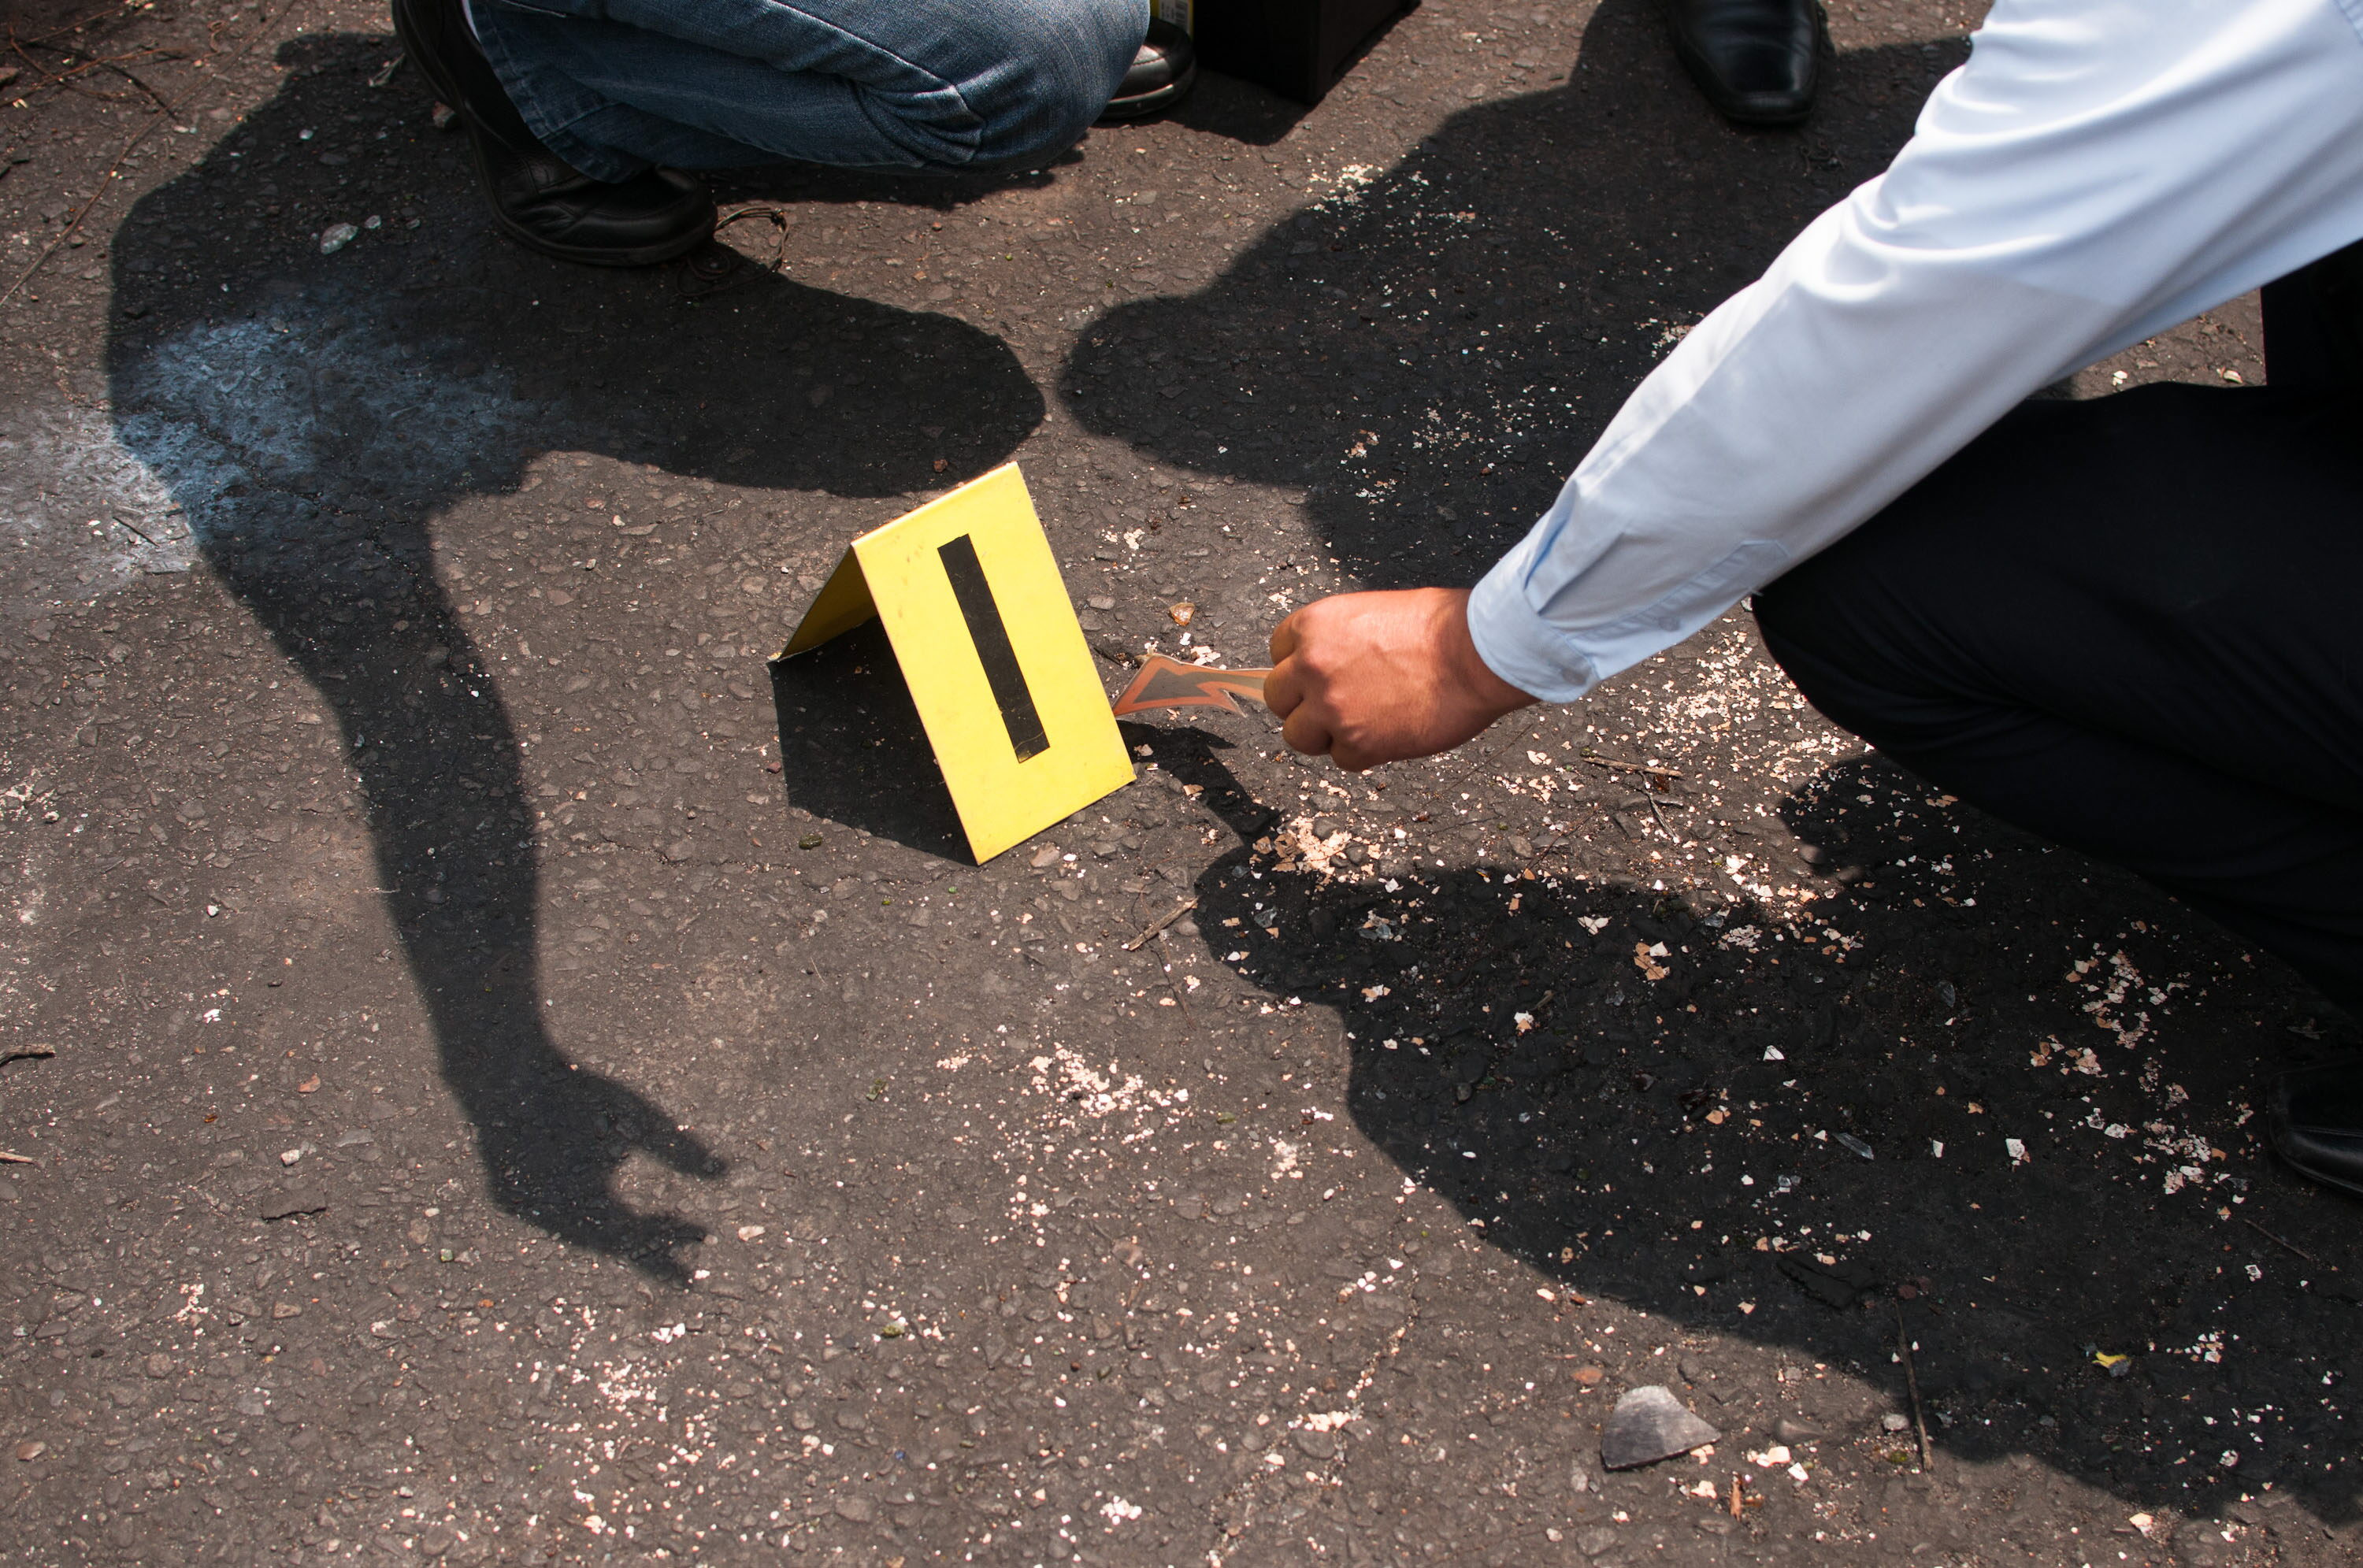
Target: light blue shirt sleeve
{"x": 2100, "y": 170}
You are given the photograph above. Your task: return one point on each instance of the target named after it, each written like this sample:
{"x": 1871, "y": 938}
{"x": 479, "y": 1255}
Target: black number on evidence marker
{"x": 992, "y": 639}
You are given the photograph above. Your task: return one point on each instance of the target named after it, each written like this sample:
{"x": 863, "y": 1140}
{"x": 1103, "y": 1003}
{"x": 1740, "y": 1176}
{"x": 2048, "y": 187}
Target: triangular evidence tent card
{"x": 990, "y": 648}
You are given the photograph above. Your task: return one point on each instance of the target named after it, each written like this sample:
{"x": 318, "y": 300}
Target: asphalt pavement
{"x": 494, "y": 1070}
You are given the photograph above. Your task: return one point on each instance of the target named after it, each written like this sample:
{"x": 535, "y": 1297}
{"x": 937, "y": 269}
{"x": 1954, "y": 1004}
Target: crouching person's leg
{"x": 618, "y": 86}
{"x": 2126, "y": 625}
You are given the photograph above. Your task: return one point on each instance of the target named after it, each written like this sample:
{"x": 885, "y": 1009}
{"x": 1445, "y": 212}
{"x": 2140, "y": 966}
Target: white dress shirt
{"x": 2100, "y": 170}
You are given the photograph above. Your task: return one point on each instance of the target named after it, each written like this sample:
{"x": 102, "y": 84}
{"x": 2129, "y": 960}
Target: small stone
{"x": 160, "y": 1365}
{"x": 336, "y": 236}
{"x": 1317, "y": 1444}
{"x": 679, "y": 850}
{"x": 285, "y": 1310}
{"x": 445, "y": 118}
{"x": 1592, "y": 1542}
{"x": 861, "y": 1510}
{"x": 31, "y": 1449}
{"x": 802, "y": 1421}
{"x": 1648, "y": 1425}
{"x": 1183, "y": 612}
{"x": 287, "y": 1202}
{"x": 1893, "y": 1422}
{"x": 289, "y": 1157}
{"x": 1589, "y": 1376}
{"x": 1791, "y": 1431}
{"x": 1101, "y": 602}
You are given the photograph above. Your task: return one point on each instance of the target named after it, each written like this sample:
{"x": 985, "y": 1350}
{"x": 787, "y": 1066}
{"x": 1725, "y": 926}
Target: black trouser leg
{"x": 2129, "y": 625}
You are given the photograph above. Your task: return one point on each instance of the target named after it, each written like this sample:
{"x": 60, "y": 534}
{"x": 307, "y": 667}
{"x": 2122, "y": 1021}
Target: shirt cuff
{"x": 1518, "y": 645}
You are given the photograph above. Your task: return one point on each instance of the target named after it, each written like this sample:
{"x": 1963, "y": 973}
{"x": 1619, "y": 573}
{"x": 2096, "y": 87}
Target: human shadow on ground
{"x": 312, "y": 413}
{"x": 1430, "y": 351}
{"x": 1628, "y": 1088}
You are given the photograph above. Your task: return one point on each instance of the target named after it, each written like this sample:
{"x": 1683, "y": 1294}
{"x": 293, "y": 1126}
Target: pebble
{"x": 1789, "y": 1429}
{"x": 1893, "y": 1422}
{"x": 1649, "y": 1424}
{"x": 31, "y": 1449}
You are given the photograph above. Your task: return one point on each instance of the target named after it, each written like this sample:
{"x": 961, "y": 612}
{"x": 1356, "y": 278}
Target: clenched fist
{"x": 1372, "y": 678}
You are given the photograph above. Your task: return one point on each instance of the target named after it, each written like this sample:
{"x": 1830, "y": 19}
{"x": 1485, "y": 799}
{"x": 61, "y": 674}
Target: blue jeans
{"x": 613, "y": 87}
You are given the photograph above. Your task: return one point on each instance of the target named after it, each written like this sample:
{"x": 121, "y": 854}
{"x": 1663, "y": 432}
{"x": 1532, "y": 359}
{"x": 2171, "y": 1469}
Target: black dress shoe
{"x": 1162, "y": 74}
{"x": 1756, "y": 60}
{"x": 538, "y": 199}
{"x": 2317, "y": 1121}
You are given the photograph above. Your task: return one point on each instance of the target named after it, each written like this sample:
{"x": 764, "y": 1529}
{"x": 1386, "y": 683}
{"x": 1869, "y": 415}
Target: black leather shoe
{"x": 2317, "y": 1121}
{"x": 1757, "y": 60}
{"x": 1162, "y": 73}
{"x": 538, "y": 199}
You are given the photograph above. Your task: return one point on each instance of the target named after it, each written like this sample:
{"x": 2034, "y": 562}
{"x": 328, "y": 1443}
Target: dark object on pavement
{"x": 1756, "y": 60}
{"x": 1649, "y": 1424}
{"x": 1833, "y": 1284}
{"x": 538, "y": 199}
{"x": 1162, "y": 73}
{"x": 287, "y": 1202}
{"x": 2317, "y": 1122}
{"x": 1296, "y": 48}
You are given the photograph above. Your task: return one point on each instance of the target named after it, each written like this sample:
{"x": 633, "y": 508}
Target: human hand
{"x": 1372, "y": 678}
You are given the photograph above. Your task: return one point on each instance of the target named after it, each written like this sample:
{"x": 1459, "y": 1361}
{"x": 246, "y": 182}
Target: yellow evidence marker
{"x": 990, "y": 648}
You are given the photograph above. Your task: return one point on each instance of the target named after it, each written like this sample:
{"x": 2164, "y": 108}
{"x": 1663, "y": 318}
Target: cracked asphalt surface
{"x": 498, "y": 1073}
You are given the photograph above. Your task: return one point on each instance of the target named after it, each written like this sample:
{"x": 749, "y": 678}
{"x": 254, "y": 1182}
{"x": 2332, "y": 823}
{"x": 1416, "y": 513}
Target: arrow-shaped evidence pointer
{"x": 1169, "y": 683}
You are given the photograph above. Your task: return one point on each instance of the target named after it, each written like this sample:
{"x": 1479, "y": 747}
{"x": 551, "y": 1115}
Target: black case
{"x": 1296, "y": 48}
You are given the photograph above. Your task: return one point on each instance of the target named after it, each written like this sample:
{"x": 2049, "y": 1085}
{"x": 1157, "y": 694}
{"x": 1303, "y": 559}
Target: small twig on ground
{"x": 75, "y": 223}
{"x": 1661, "y": 820}
{"x": 11, "y": 1159}
{"x": 25, "y": 1053}
{"x": 385, "y": 72}
{"x": 1133, "y": 945}
{"x": 1912, "y": 1386}
{"x": 2268, "y": 1235}
{"x": 1654, "y": 771}
{"x": 163, "y": 104}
